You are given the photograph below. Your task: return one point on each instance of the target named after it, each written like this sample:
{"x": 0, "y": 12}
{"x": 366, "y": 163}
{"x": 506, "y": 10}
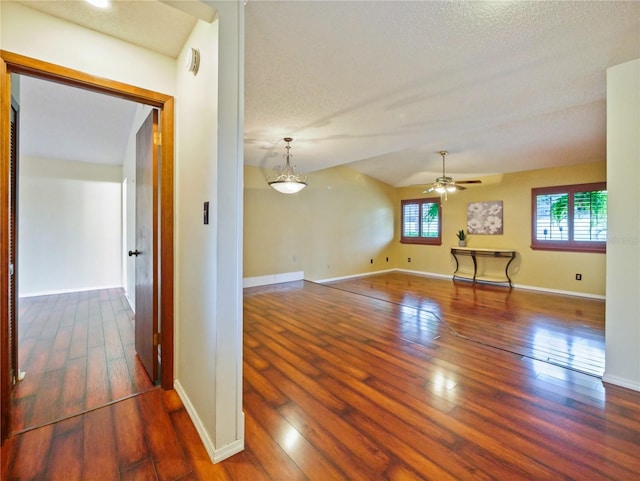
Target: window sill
{"x": 591, "y": 250}
{"x": 422, "y": 241}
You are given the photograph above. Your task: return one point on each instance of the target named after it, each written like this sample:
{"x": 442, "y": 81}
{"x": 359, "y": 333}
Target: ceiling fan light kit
{"x": 287, "y": 181}
{"x": 445, "y": 185}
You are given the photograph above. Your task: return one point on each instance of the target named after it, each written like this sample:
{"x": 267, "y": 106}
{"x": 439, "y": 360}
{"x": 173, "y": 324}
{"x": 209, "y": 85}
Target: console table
{"x": 475, "y": 254}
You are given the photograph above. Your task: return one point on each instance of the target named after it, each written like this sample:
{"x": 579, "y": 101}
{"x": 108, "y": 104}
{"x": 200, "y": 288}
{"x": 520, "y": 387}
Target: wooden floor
{"x": 78, "y": 353}
{"x": 559, "y": 329}
{"x": 344, "y": 386}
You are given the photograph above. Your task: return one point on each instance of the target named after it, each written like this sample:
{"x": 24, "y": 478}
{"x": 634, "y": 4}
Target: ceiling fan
{"x": 444, "y": 184}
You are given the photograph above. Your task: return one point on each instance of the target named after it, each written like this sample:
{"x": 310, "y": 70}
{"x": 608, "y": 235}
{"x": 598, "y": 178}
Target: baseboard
{"x": 621, "y": 381}
{"x": 216, "y": 455}
{"x": 67, "y": 291}
{"x": 295, "y": 276}
{"x": 272, "y": 279}
{"x": 352, "y": 276}
{"x": 425, "y": 274}
{"x": 130, "y": 301}
{"x": 558, "y": 291}
{"x": 519, "y": 286}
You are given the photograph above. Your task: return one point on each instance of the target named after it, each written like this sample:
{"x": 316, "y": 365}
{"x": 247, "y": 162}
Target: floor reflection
{"x": 557, "y": 329}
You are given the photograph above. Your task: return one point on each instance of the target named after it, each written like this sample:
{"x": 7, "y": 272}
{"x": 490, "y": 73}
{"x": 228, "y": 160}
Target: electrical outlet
{"x": 408, "y": 259}
{"x": 578, "y": 277}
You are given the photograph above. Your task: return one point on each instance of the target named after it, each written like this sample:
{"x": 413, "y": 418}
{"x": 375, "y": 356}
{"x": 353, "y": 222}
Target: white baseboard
{"x": 519, "y": 286}
{"x": 425, "y": 274}
{"x": 622, "y": 382}
{"x": 295, "y": 276}
{"x": 130, "y": 301}
{"x": 67, "y": 291}
{"x": 558, "y": 291}
{"x": 352, "y": 276}
{"x": 216, "y": 455}
{"x": 272, "y": 279}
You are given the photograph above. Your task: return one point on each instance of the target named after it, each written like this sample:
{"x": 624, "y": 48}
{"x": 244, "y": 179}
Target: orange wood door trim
{"x": 15, "y": 63}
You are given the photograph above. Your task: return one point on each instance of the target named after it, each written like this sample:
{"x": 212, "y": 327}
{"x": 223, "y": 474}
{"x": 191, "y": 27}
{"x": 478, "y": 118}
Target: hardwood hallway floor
{"x": 344, "y": 386}
{"x": 78, "y": 353}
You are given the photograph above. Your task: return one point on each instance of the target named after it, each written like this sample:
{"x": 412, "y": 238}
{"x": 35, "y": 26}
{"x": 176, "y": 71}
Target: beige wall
{"x": 332, "y": 228}
{"x": 343, "y": 219}
{"x": 540, "y": 269}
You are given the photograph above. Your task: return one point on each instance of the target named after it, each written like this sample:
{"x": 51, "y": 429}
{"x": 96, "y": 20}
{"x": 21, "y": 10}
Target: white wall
{"x": 208, "y": 282}
{"x": 623, "y": 247}
{"x": 38, "y": 35}
{"x": 70, "y": 227}
{"x": 208, "y": 319}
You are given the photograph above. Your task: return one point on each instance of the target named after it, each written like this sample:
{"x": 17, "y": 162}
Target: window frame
{"x": 569, "y": 245}
{"x": 421, "y": 240}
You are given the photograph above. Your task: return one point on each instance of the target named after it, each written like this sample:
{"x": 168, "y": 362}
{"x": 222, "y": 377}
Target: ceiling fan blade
{"x": 459, "y": 187}
{"x": 430, "y": 189}
{"x": 468, "y": 182}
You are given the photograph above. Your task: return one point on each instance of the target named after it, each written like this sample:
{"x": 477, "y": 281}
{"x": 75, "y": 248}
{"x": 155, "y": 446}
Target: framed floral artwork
{"x": 484, "y": 217}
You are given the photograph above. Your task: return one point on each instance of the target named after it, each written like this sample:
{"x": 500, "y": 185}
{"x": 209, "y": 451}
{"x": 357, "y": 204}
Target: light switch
{"x": 206, "y": 213}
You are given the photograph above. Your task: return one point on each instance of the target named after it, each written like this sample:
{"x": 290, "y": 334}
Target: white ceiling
{"x": 384, "y": 86}
{"x": 67, "y": 123}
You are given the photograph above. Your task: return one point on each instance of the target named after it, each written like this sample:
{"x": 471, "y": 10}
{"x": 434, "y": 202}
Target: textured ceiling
{"x": 384, "y": 86}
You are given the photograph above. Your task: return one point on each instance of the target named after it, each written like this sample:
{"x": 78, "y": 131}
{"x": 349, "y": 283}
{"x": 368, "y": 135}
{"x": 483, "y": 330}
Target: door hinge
{"x": 156, "y": 339}
{"x": 157, "y": 138}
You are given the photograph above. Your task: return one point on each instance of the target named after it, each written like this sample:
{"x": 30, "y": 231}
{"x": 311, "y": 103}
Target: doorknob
{"x": 134, "y": 253}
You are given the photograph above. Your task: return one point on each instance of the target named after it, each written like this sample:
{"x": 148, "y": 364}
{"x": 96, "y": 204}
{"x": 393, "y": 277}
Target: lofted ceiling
{"x": 384, "y": 86}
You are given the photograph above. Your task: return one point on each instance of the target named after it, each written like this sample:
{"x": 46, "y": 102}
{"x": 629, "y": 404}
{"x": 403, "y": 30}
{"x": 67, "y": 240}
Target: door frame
{"x": 19, "y": 64}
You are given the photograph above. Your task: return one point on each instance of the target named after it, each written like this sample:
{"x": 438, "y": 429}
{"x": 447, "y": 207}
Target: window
{"x": 421, "y": 223}
{"x": 570, "y": 218}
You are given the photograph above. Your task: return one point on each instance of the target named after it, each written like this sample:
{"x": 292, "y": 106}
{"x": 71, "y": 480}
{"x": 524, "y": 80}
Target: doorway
{"x": 12, "y": 63}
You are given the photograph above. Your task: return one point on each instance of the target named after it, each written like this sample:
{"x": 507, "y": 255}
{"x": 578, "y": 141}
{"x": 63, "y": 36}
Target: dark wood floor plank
{"x": 99, "y": 457}
{"x": 270, "y": 393}
{"x": 272, "y": 458}
{"x": 120, "y": 382}
{"x": 168, "y": 455}
{"x": 25, "y": 457}
{"x": 74, "y": 387}
{"x": 198, "y": 458}
{"x": 308, "y": 458}
{"x": 47, "y": 404}
{"x": 97, "y": 380}
{"x": 144, "y": 471}
{"x": 129, "y": 434}
{"x": 66, "y": 455}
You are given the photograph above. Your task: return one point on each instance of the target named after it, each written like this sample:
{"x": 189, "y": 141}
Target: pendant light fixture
{"x": 287, "y": 181}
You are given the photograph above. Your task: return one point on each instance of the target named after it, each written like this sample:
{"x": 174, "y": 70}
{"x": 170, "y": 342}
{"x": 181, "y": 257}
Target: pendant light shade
{"x": 287, "y": 181}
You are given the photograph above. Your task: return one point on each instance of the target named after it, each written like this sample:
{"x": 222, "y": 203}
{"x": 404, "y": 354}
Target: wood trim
{"x": 5, "y": 381}
{"x": 14, "y": 63}
{"x": 166, "y": 242}
{"x": 56, "y": 73}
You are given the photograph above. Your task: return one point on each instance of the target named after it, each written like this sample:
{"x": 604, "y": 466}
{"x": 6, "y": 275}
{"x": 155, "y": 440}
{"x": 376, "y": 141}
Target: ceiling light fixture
{"x": 287, "y": 181}
{"x": 445, "y": 184}
{"x": 100, "y": 3}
